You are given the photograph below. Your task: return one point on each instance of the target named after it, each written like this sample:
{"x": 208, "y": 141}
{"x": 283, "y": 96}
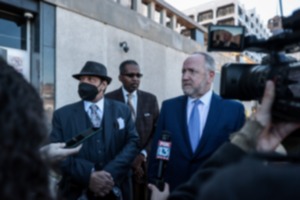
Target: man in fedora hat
{"x": 101, "y": 169}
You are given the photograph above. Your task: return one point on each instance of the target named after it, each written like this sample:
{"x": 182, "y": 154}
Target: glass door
{"x": 15, "y": 41}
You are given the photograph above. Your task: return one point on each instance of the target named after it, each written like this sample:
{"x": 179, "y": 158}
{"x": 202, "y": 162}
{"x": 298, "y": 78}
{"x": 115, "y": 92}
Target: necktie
{"x": 95, "y": 118}
{"x": 194, "y": 125}
{"x": 129, "y": 102}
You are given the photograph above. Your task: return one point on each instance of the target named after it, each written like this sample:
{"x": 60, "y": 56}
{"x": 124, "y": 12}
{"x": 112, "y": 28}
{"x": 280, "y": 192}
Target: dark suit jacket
{"x": 224, "y": 117}
{"x": 254, "y": 178}
{"x": 223, "y": 156}
{"x": 147, "y": 115}
{"x": 120, "y": 144}
{"x": 232, "y": 174}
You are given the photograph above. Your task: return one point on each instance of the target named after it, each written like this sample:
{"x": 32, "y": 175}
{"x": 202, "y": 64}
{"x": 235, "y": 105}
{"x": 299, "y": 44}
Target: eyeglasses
{"x": 131, "y": 75}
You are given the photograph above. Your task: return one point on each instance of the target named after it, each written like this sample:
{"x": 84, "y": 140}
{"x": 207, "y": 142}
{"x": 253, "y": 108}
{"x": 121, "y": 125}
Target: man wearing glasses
{"x": 145, "y": 111}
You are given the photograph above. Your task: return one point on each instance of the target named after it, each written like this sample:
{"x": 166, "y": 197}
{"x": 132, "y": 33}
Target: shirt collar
{"x": 125, "y": 93}
{"x": 99, "y": 103}
{"x": 205, "y": 99}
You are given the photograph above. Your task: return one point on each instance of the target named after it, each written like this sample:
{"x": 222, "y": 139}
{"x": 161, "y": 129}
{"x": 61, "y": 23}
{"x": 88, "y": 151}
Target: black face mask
{"x": 87, "y": 91}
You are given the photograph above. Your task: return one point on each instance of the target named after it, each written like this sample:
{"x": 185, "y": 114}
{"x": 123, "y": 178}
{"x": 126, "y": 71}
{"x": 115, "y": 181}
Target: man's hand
{"x": 156, "y": 194}
{"x": 101, "y": 183}
{"x": 56, "y": 151}
{"x": 273, "y": 133}
{"x": 137, "y": 166}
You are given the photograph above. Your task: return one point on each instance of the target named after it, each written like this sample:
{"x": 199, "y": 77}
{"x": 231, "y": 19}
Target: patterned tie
{"x": 194, "y": 125}
{"x": 95, "y": 118}
{"x": 129, "y": 102}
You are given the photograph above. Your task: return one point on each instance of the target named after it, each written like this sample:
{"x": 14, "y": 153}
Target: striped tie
{"x": 95, "y": 118}
{"x": 129, "y": 103}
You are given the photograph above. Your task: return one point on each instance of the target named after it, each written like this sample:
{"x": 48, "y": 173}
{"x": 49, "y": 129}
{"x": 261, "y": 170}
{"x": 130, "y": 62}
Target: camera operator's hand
{"x": 260, "y": 133}
{"x": 156, "y": 194}
{"x": 273, "y": 133}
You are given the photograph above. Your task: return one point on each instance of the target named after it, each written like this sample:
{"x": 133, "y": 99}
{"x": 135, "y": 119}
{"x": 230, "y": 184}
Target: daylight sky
{"x": 266, "y": 9}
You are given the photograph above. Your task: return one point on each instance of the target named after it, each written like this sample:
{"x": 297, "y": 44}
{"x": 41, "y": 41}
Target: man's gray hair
{"x": 209, "y": 60}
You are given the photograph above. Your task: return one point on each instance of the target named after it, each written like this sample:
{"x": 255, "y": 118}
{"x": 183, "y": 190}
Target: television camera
{"x": 247, "y": 81}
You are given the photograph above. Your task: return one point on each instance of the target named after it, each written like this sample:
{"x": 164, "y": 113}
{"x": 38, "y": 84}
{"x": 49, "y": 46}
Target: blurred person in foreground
{"x": 248, "y": 167}
{"x": 24, "y": 161}
{"x": 198, "y": 121}
{"x": 145, "y": 111}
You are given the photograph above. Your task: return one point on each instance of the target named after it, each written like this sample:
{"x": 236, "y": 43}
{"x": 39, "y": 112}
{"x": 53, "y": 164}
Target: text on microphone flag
{"x": 163, "y": 150}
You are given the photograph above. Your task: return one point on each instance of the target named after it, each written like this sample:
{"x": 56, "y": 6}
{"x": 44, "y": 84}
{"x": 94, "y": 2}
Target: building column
{"x": 173, "y": 22}
{"x": 137, "y": 6}
{"x": 163, "y": 17}
{"x": 151, "y": 11}
{"x": 29, "y": 17}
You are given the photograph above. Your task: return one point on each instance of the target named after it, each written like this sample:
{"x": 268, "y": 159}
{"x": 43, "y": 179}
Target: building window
{"x": 47, "y": 30}
{"x": 240, "y": 11}
{"x": 205, "y": 16}
{"x": 229, "y": 21}
{"x": 226, "y": 10}
{"x": 247, "y": 19}
{"x": 192, "y": 17}
{"x": 12, "y": 30}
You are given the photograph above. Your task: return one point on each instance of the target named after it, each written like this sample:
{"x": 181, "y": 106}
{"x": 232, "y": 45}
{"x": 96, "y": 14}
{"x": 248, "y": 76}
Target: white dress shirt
{"x": 203, "y": 109}
{"x": 134, "y": 104}
{"x": 133, "y": 100}
{"x": 100, "y": 105}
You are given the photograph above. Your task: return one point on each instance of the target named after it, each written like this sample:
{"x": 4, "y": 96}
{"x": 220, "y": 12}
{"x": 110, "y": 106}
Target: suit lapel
{"x": 182, "y": 117}
{"x": 211, "y": 122}
{"x": 139, "y": 107}
{"x": 80, "y": 117}
{"x": 120, "y": 96}
{"x": 108, "y": 118}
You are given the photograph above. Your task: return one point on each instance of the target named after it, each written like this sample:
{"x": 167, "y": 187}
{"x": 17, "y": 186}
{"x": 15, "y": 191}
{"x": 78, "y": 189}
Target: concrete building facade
{"x": 52, "y": 39}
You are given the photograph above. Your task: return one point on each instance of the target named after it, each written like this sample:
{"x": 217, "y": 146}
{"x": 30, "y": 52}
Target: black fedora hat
{"x": 92, "y": 68}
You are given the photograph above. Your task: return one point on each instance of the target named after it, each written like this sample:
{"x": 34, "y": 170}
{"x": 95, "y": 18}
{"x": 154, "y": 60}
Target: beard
{"x": 195, "y": 91}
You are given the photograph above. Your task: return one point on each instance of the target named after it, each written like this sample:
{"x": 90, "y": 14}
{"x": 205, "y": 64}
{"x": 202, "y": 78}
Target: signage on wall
{"x": 3, "y": 53}
{"x": 18, "y": 59}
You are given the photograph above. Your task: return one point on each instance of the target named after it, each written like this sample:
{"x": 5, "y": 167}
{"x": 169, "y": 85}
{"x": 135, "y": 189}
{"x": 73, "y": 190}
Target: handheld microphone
{"x": 162, "y": 155}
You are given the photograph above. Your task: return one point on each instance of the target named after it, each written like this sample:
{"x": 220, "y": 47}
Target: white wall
{"x": 80, "y": 39}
